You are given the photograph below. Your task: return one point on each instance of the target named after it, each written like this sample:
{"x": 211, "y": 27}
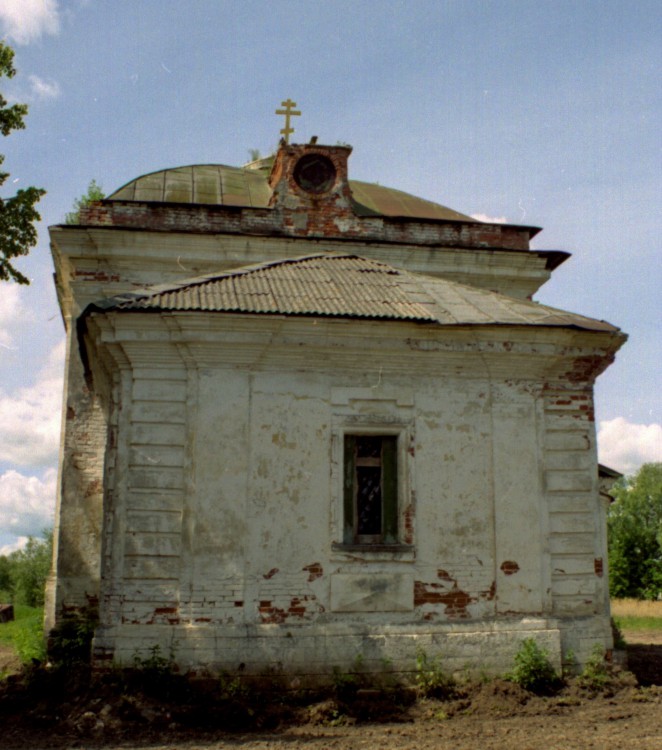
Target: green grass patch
{"x": 25, "y": 633}
{"x": 634, "y": 622}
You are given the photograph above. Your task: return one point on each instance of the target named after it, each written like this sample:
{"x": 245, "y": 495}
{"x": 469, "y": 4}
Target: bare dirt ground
{"x": 68, "y": 713}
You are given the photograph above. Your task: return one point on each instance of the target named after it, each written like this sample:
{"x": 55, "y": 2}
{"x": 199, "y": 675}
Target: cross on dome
{"x": 288, "y": 112}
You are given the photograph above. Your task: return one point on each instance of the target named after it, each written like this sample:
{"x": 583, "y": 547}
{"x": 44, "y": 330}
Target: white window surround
{"x": 378, "y": 424}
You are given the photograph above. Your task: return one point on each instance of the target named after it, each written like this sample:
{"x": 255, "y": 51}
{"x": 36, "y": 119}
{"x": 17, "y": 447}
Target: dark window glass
{"x": 368, "y": 500}
{"x": 370, "y": 487}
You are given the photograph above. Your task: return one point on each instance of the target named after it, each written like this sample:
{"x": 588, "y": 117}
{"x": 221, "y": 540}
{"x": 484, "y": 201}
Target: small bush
{"x": 431, "y": 680}
{"x": 157, "y": 675}
{"x": 70, "y": 641}
{"x": 595, "y": 674}
{"x": 231, "y": 688}
{"x": 532, "y": 670}
{"x": 345, "y": 684}
{"x": 156, "y": 663}
{"x": 569, "y": 663}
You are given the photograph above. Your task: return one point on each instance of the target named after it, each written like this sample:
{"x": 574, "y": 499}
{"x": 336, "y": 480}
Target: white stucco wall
{"x": 227, "y": 500}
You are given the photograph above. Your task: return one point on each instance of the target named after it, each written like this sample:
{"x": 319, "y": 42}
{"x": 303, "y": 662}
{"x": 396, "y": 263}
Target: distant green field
{"x": 635, "y": 614}
{"x": 633, "y": 622}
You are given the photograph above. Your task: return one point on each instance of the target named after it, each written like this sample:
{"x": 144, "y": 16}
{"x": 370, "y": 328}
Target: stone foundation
{"x": 314, "y": 652}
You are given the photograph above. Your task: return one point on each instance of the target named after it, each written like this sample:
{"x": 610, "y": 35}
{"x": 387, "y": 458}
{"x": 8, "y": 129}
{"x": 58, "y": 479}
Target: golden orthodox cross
{"x": 288, "y": 112}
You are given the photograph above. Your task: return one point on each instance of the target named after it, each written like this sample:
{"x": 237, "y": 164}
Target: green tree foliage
{"x": 23, "y": 573}
{"x": 94, "y": 193}
{"x": 17, "y": 214}
{"x": 635, "y": 535}
{"x": 6, "y": 584}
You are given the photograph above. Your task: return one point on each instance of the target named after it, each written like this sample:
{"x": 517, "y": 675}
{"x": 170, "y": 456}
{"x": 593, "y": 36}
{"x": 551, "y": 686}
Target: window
{"x": 370, "y": 489}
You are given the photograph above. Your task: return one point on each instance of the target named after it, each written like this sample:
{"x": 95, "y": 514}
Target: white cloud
{"x": 625, "y": 446}
{"x": 490, "y": 219}
{"x": 20, "y": 543}
{"x": 30, "y": 417}
{"x": 24, "y": 21}
{"x": 27, "y": 505}
{"x": 13, "y": 312}
{"x": 42, "y": 89}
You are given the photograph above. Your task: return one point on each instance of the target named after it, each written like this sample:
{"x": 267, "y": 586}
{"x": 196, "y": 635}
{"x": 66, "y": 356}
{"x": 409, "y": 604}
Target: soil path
{"x": 495, "y": 716}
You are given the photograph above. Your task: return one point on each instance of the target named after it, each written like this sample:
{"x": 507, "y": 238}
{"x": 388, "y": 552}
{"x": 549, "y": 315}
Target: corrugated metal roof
{"x": 343, "y": 285}
{"x": 334, "y": 285}
{"x": 217, "y": 184}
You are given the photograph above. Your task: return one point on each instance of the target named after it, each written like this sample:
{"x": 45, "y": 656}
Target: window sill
{"x": 373, "y": 552}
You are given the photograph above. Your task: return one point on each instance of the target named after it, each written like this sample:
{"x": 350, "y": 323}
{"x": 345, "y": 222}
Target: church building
{"x": 310, "y": 420}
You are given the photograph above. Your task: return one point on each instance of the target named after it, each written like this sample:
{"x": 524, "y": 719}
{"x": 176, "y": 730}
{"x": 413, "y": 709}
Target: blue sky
{"x": 543, "y": 113}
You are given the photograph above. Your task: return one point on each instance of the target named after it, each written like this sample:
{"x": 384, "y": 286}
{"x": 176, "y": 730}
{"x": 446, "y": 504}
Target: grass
{"x": 636, "y": 614}
{"x": 25, "y": 633}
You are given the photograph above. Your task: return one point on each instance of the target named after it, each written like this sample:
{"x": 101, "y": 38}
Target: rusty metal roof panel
{"x": 343, "y": 285}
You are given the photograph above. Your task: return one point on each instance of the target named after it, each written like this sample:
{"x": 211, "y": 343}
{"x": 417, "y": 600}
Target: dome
{"x": 218, "y": 184}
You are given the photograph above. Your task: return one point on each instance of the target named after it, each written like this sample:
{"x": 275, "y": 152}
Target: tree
{"x": 17, "y": 214}
{"x": 31, "y": 566}
{"x": 635, "y": 535}
{"x": 94, "y": 193}
{"x": 6, "y": 583}
{"x": 23, "y": 573}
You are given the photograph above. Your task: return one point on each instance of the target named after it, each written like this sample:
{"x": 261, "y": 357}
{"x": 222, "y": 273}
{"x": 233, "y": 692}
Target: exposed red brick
{"x": 456, "y": 601}
{"x": 296, "y": 610}
{"x": 409, "y": 517}
{"x": 588, "y": 368}
{"x": 320, "y": 220}
{"x": 95, "y": 275}
{"x": 490, "y": 594}
{"x": 93, "y": 488}
{"x": 314, "y": 571}
{"x": 271, "y": 573}
{"x": 103, "y": 655}
{"x": 599, "y": 567}
{"x": 509, "y": 567}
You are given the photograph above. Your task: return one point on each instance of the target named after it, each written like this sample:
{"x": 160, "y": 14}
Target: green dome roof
{"x": 220, "y": 185}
